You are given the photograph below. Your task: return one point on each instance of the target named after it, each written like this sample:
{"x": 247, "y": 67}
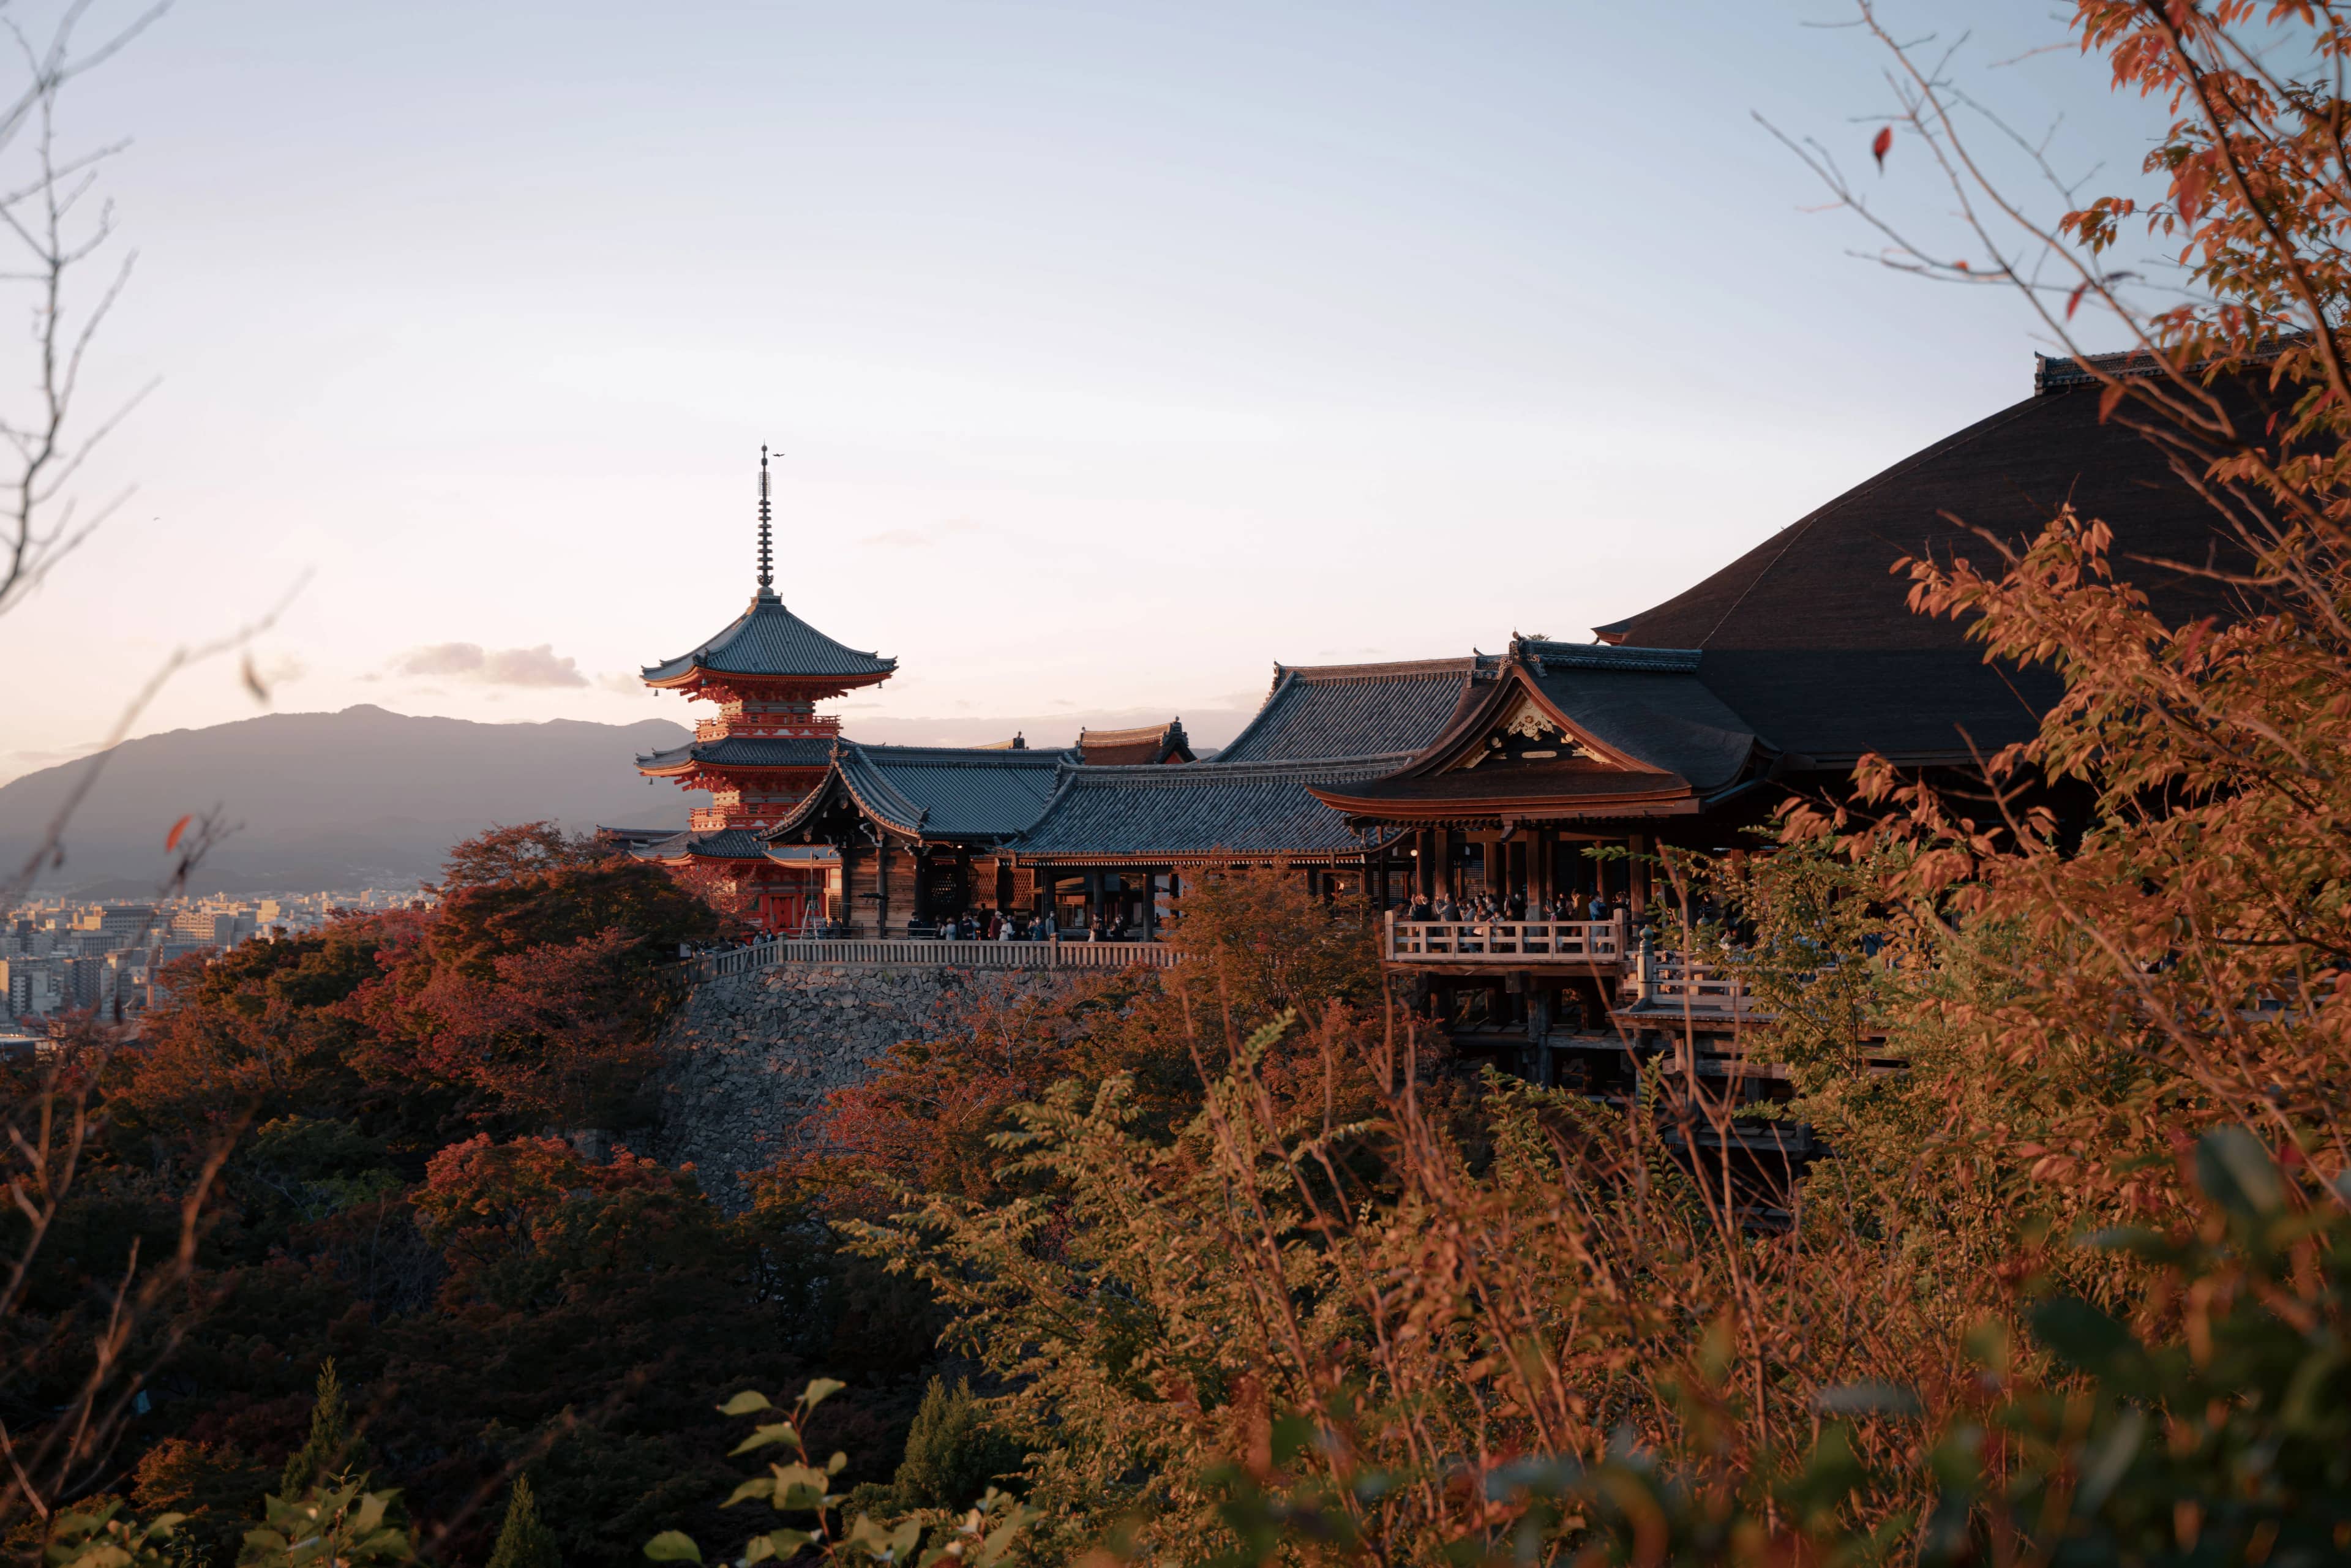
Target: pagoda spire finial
{"x": 767, "y": 561}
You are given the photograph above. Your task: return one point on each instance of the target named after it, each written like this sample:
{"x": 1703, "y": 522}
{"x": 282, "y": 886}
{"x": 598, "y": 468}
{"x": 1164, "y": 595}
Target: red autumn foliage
{"x": 502, "y": 1213}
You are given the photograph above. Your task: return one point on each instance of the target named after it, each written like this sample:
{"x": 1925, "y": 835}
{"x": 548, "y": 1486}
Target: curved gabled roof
{"x": 769, "y": 639}
{"x": 1154, "y": 743}
{"x": 1649, "y": 738}
{"x": 1322, "y": 711}
{"x": 1809, "y": 636}
{"x": 943, "y": 792}
{"x": 1201, "y": 810}
{"x": 1650, "y": 703}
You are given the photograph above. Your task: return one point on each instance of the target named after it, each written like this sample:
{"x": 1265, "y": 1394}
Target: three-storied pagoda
{"x": 765, "y": 750}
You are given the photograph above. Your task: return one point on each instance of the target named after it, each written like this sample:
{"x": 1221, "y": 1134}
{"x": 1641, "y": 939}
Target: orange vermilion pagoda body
{"x": 768, "y": 746}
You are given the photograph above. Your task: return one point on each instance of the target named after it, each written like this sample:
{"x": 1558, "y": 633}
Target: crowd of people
{"x": 989, "y": 924}
{"x": 1485, "y": 907}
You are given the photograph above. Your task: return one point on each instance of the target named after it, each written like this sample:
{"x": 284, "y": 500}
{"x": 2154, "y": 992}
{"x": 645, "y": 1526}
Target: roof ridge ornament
{"x": 767, "y": 561}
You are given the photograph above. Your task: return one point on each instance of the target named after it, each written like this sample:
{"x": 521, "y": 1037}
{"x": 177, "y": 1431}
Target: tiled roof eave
{"x": 1675, "y": 797}
{"x": 677, "y": 674}
{"x": 1211, "y": 857}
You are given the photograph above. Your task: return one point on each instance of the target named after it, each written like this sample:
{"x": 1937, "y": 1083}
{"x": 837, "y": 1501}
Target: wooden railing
{"x": 1505, "y": 941}
{"x": 1669, "y": 984}
{"x": 937, "y": 954}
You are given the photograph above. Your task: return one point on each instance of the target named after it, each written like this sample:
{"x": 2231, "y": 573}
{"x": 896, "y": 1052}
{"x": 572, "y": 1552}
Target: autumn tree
{"x": 526, "y": 849}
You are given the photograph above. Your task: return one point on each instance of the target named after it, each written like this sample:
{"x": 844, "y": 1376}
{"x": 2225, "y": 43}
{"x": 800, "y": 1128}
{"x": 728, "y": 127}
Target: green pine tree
{"x": 953, "y": 1455}
{"x": 331, "y": 1448}
{"x": 524, "y": 1540}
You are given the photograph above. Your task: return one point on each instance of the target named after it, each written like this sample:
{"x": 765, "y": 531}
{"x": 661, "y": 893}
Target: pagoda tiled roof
{"x": 742, "y": 751}
{"x": 1330, "y": 711}
{"x": 1809, "y": 636}
{"x": 1199, "y": 812}
{"x": 1151, "y": 743}
{"x": 769, "y": 639}
{"x": 937, "y": 792}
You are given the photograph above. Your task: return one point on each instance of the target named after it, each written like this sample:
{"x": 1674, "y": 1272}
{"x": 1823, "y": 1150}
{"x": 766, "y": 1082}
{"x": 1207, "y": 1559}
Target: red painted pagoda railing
{"x": 811, "y": 727}
{"x": 713, "y": 818}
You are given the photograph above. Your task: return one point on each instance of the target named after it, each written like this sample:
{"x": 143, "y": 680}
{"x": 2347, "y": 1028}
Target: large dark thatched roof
{"x": 1808, "y": 635}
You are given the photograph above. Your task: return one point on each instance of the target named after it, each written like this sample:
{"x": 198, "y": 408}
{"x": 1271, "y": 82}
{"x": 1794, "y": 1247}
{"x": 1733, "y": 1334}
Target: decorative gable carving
{"x": 1528, "y": 734}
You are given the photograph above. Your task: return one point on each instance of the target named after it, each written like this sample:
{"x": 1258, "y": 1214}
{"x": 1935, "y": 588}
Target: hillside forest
{"x": 360, "y": 1252}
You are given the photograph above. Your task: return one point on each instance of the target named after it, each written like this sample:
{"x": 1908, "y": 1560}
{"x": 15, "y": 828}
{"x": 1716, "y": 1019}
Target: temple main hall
{"x": 1542, "y": 775}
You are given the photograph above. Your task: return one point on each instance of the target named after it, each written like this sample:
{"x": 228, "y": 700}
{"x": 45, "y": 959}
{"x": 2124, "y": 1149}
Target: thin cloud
{"x": 539, "y": 666}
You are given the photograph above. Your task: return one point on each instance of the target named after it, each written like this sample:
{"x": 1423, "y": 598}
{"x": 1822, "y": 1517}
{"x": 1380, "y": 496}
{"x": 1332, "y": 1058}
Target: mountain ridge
{"x": 346, "y": 798}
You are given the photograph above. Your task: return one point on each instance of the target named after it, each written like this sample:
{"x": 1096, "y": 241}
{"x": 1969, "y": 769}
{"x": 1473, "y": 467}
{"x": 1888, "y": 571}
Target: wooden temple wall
{"x": 877, "y": 890}
{"x": 875, "y": 903}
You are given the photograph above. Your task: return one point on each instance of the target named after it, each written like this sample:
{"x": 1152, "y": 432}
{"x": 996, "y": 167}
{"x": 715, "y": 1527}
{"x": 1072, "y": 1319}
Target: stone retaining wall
{"x": 749, "y": 1056}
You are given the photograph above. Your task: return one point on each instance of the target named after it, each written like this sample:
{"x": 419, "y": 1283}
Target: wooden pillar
{"x": 922, "y": 884}
{"x": 1638, "y": 871}
{"x": 1045, "y": 880}
{"x": 846, "y": 915}
{"x": 882, "y": 887}
{"x": 1150, "y": 907}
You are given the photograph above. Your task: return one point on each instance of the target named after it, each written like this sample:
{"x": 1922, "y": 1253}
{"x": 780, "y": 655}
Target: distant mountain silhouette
{"x": 344, "y": 799}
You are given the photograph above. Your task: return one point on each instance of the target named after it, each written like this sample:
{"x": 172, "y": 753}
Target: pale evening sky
{"x": 1117, "y": 350}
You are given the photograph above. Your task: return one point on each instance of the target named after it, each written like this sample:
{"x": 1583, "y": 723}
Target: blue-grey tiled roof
{"x": 1318, "y": 712}
{"x": 1243, "y": 808}
{"x": 743, "y": 751}
{"x": 726, "y": 845}
{"x": 1648, "y": 704}
{"x": 770, "y": 640}
{"x": 939, "y": 791}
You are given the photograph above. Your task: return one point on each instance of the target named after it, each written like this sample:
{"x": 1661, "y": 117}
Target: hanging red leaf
{"x": 2190, "y": 185}
{"x": 1881, "y": 144}
{"x": 2073, "y": 300}
{"x": 2108, "y": 401}
{"x": 172, "y": 838}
